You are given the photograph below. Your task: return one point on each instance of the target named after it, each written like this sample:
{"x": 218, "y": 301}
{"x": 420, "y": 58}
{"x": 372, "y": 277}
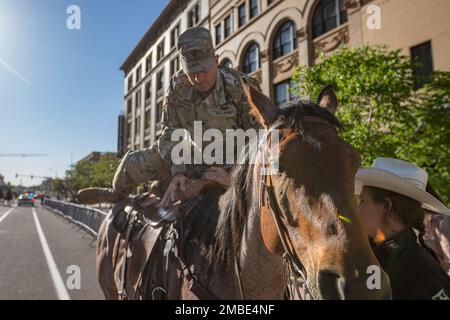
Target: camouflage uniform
{"x": 225, "y": 108}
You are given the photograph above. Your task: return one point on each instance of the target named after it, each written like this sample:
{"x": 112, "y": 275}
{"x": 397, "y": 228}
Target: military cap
{"x": 196, "y": 50}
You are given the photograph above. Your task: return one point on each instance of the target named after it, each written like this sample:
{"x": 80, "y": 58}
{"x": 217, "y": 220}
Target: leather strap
{"x": 296, "y": 266}
{"x": 195, "y": 285}
{"x": 123, "y": 273}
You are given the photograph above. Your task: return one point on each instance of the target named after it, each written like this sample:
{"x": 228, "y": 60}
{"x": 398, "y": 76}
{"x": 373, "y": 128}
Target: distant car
{"x": 26, "y": 199}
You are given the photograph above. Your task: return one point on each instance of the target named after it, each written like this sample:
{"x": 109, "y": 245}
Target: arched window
{"x": 329, "y": 14}
{"x": 227, "y": 63}
{"x": 251, "y": 61}
{"x": 283, "y": 92}
{"x": 285, "y": 40}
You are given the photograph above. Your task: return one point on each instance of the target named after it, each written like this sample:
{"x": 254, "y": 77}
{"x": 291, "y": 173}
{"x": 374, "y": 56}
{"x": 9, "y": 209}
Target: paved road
{"x": 42, "y": 255}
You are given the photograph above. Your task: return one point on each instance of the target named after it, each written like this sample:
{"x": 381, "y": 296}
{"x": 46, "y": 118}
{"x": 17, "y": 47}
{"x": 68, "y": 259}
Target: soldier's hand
{"x": 219, "y": 175}
{"x": 178, "y": 183}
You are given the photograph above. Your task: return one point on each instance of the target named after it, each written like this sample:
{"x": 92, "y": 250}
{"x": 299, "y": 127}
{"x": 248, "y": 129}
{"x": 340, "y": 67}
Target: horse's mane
{"x": 234, "y": 204}
{"x": 201, "y": 218}
{"x": 295, "y": 110}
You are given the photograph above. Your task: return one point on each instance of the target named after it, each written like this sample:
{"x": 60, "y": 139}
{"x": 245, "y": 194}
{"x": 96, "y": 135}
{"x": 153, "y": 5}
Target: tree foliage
{"x": 383, "y": 115}
{"x": 87, "y": 174}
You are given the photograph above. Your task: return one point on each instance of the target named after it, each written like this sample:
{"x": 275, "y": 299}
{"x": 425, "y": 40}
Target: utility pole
{"x": 22, "y": 155}
{"x": 31, "y": 176}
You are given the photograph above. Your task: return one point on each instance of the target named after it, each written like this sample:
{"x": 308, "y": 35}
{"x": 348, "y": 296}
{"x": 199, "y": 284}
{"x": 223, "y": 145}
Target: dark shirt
{"x": 413, "y": 272}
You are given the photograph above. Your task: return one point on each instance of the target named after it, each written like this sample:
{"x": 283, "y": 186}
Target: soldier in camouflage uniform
{"x": 202, "y": 91}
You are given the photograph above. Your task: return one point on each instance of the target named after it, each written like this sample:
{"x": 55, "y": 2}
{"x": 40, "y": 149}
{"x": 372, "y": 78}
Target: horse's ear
{"x": 327, "y": 99}
{"x": 261, "y": 107}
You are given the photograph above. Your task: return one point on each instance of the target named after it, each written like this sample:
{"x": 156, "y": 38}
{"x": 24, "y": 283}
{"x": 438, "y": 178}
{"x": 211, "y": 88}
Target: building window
{"x": 193, "y": 16}
{"x": 227, "y": 63}
{"x": 138, "y": 99}
{"x": 422, "y": 54}
{"x": 242, "y": 14}
{"x": 148, "y": 91}
{"x": 160, "y": 80}
{"x": 148, "y": 63}
{"x": 329, "y": 14}
{"x": 269, "y": 2}
{"x": 285, "y": 40}
{"x": 160, "y": 51}
{"x": 128, "y": 137}
{"x": 147, "y": 119}
{"x": 130, "y": 82}
{"x": 174, "y": 66}
{"x": 227, "y": 27}
{"x": 251, "y": 59}
{"x": 137, "y": 126}
{"x": 174, "y": 36}
{"x": 283, "y": 93}
{"x": 254, "y": 10}
{"x": 158, "y": 111}
{"x": 129, "y": 107}
{"x": 218, "y": 34}
{"x": 138, "y": 74}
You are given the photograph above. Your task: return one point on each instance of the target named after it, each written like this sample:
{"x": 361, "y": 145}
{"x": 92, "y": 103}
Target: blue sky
{"x": 61, "y": 90}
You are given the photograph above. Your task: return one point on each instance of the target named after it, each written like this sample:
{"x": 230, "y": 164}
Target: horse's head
{"x": 311, "y": 194}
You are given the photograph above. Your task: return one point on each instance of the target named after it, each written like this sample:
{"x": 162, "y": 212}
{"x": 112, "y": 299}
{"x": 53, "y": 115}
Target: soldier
{"x": 202, "y": 91}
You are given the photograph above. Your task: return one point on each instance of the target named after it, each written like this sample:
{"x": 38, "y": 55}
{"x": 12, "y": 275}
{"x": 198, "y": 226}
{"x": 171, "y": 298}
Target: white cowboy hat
{"x": 401, "y": 177}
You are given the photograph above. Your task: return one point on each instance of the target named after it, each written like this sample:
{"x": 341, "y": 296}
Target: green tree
{"x": 87, "y": 174}
{"x": 427, "y": 141}
{"x": 79, "y": 176}
{"x": 59, "y": 186}
{"x": 103, "y": 171}
{"x": 382, "y": 114}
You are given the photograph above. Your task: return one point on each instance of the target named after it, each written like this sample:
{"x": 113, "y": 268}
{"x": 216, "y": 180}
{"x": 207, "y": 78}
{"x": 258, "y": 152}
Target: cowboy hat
{"x": 401, "y": 177}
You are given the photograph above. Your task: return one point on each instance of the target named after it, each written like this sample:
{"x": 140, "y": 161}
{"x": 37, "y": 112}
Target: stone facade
{"x": 237, "y": 25}
{"x": 149, "y": 67}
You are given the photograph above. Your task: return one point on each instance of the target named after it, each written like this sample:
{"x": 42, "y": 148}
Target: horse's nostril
{"x": 331, "y": 285}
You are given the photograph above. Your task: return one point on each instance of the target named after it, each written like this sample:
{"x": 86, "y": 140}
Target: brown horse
{"x": 305, "y": 212}
{"x": 199, "y": 219}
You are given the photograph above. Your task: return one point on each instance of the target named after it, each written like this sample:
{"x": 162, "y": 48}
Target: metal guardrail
{"x": 86, "y": 217}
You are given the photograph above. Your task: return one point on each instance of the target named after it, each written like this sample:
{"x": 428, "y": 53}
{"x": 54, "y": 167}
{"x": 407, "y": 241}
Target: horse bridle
{"x": 296, "y": 267}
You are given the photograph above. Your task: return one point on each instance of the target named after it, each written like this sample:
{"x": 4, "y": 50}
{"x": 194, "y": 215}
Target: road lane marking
{"x": 6, "y": 214}
{"x": 58, "y": 282}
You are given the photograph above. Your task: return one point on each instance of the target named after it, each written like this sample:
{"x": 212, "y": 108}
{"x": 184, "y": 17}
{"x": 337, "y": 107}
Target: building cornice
{"x": 245, "y": 26}
{"x": 159, "y": 65}
{"x": 161, "y": 24}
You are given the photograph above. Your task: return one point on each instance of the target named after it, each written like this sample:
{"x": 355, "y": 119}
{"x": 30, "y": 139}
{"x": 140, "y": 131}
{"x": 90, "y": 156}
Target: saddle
{"x": 148, "y": 249}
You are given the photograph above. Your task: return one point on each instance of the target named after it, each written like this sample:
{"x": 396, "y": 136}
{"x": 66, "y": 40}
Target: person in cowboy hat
{"x": 392, "y": 198}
